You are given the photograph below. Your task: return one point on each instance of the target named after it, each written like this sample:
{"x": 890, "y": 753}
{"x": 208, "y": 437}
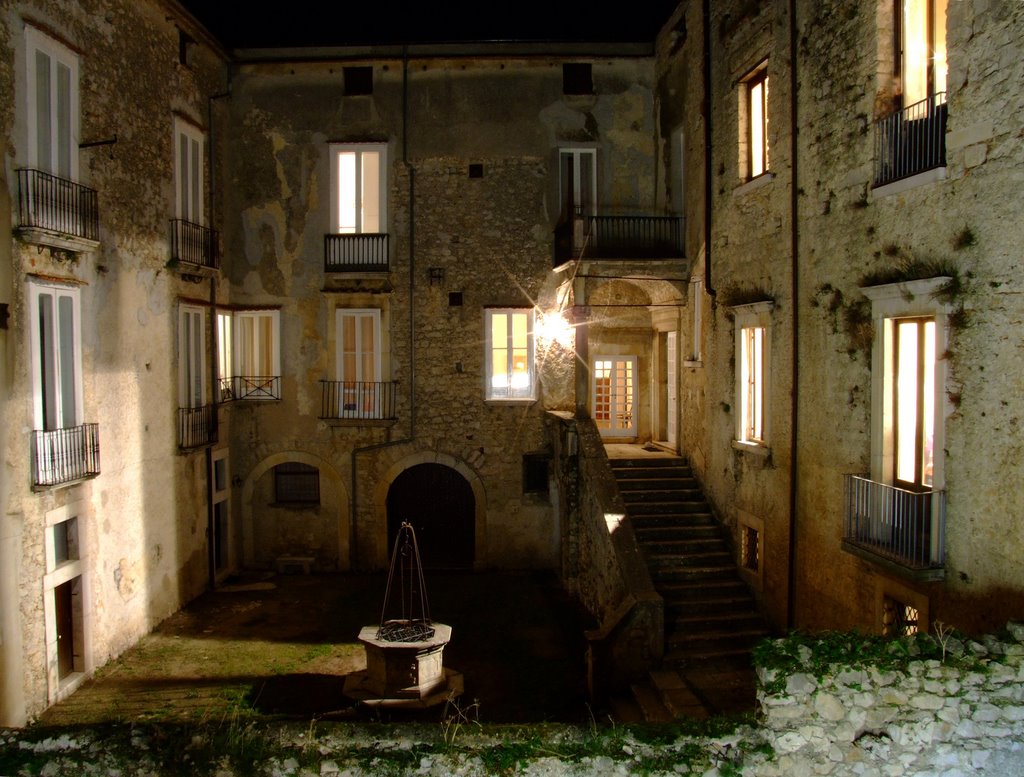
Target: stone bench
{"x": 292, "y": 565}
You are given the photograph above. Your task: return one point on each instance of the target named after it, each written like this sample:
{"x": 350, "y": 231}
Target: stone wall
{"x": 958, "y": 711}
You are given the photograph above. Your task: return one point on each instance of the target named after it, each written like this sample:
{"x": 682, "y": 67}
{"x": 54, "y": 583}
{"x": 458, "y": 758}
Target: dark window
{"x": 577, "y": 78}
{"x": 750, "y": 549}
{"x": 535, "y": 473}
{"x": 358, "y": 80}
{"x": 476, "y": 170}
{"x": 455, "y": 299}
{"x": 186, "y": 46}
{"x": 296, "y": 483}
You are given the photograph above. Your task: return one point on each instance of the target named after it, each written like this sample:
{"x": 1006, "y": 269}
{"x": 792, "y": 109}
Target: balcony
{"x": 65, "y": 455}
{"x": 193, "y": 245}
{"x": 243, "y": 387}
{"x": 358, "y": 400}
{"x": 904, "y": 530}
{"x": 619, "y": 237}
{"x": 197, "y": 426}
{"x": 359, "y": 253}
{"x": 56, "y": 212}
{"x": 911, "y": 141}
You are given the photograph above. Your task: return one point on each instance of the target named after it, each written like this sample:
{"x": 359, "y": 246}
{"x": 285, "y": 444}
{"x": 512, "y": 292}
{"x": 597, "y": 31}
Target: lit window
{"x": 614, "y": 395}
{"x": 358, "y": 189}
{"x": 914, "y": 396}
{"x": 752, "y": 384}
{"x": 249, "y": 354}
{"x": 756, "y": 103}
{"x": 510, "y": 372}
{"x": 921, "y": 62}
{"x": 752, "y": 370}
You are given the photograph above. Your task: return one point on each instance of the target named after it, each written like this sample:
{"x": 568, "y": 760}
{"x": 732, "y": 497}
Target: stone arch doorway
{"x": 440, "y": 504}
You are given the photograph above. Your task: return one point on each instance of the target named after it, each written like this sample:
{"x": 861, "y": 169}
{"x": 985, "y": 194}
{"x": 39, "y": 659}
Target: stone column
{"x": 580, "y": 321}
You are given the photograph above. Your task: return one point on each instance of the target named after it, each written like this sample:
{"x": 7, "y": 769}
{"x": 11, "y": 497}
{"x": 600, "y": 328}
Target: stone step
{"x": 714, "y": 642}
{"x": 669, "y": 495}
{"x": 650, "y": 702}
{"x": 657, "y": 548}
{"x": 676, "y": 531}
{"x": 651, "y": 462}
{"x": 641, "y": 509}
{"x": 721, "y": 590}
{"x": 742, "y": 601}
{"x": 655, "y": 483}
{"x": 676, "y": 695}
{"x": 744, "y": 620}
{"x": 681, "y": 574}
{"x": 715, "y": 557}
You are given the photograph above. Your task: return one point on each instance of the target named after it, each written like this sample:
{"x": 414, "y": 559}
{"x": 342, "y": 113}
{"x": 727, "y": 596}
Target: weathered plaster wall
{"x": 143, "y": 520}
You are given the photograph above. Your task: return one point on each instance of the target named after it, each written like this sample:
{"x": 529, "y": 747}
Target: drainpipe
{"x": 794, "y": 236}
{"x": 211, "y": 157}
{"x": 708, "y": 186}
{"x": 411, "y": 172}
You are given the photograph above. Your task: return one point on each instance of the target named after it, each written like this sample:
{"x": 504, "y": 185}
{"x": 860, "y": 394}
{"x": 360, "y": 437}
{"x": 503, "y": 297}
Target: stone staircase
{"x": 711, "y": 618}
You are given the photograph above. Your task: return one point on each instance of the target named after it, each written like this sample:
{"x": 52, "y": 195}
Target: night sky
{"x": 341, "y": 23}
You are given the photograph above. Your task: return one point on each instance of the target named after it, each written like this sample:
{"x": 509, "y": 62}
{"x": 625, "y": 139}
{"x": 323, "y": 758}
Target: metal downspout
{"x": 794, "y": 233}
{"x": 412, "y": 309}
{"x": 708, "y": 186}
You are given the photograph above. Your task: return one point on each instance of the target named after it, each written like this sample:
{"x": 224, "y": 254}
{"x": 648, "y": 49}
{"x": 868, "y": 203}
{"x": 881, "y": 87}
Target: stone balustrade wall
{"x": 959, "y": 714}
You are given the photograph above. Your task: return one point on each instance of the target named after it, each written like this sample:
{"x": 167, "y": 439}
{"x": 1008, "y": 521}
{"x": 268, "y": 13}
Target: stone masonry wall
{"x": 956, "y": 711}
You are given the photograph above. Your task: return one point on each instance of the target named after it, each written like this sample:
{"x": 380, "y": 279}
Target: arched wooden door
{"x": 439, "y": 504}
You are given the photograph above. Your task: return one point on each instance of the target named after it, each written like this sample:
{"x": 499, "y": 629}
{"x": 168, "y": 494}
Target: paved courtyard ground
{"x": 282, "y": 646}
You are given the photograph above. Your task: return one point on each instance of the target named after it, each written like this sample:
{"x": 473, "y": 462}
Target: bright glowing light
{"x": 553, "y": 328}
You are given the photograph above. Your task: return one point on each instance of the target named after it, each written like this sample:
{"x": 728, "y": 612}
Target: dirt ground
{"x": 282, "y": 646}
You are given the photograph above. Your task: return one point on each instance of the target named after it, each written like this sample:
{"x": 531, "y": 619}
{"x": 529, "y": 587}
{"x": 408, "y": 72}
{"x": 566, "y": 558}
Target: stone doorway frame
{"x": 380, "y": 500}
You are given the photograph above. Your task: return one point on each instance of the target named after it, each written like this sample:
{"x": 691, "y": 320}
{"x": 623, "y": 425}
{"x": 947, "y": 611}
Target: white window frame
{"x": 889, "y": 304}
{"x": 192, "y": 356}
{"x": 188, "y": 171}
{"x": 580, "y": 157}
{"x": 363, "y": 314}
{"x": 62, "y": 391}
{"x": 754, "y": 124}
{"x": 231, "y": 353}
{"x": 38, "y": 42}
{"x": 336, "y": 150}
{"x": 753, "y": 316}
{"x": 622, "y": 418}
{"x": 509, "y": 393}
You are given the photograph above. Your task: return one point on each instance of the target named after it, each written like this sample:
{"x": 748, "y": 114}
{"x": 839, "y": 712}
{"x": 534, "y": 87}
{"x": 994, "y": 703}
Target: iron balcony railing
{"x": 908, "y": 527}
{"x": 193, "y": 244}
{"x": 58, "y": 205}
{"x": 197, "y": 426}
{"x": 250, "y": 388}
{"x": 619, "y": 237}
{"x": 65, "y": 455}
{"x": 345, "y": 399}
{"x": 911, "y": 140}
{"x": 356, "y": 253}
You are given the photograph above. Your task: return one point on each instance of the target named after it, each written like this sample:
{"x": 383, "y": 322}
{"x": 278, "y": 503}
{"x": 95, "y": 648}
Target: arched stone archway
{"x": 432, "y": 483}
{"x": 333, "y": 500}
{"x": 438, "y": 503}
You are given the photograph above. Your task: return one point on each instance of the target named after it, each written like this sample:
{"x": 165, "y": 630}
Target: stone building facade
{"x": 860, "y": 237}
